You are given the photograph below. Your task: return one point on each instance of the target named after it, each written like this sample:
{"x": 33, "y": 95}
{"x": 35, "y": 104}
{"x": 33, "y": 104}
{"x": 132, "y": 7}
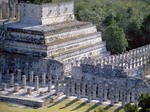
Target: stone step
{"x": 70, "y": 41}
{"x": 64, "y": 27}
{"x": 77, "y": 45}
{"x": 70, "y": 33}
{"x": 78, "y": 51}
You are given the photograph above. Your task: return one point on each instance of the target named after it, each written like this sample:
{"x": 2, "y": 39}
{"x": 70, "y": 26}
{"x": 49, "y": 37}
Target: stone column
{"x": 94, "y": 91}
{"x": 78, "y": 91}
{"x": 14, "y": 10}
{"x": 72, "y": 87}
{"x": 29, "y": 90}
{"x": 116, "y": 95}
{"x": 49, "y": 86}
{"x": 112, "y": 96}
{"x": 57, "y": 87}
{"x": 11, "y": 79}
{"x": 7, "y": 74}
{"x": 123, "y": 99}
{"x": 0, "y": 77}
{"x": 110, "y": 87}
{"x": 133, "y": 95}
{"x": 83, "y": 89}
{"x": 1, "y": 17}
{"x": 36, "y": 82}
{"x": 16, "y": 87}
{"x": 120, "y": 94}
{"x": 4, "y": 86}
{"x": 89, "y": 93}
{"x": 67, "y": 90}
{"x": 17, "y": 10}
{"x": 43, "y": 79}
{"x": 18, "y": 75}
{"x": 100, "y": 93}
{"x": 24, "y": 81}
{"x": 136, "y": 97}
{"x": 128, "y": 96}
{"x": 105, "y": 92}
{"x": 31, "y": 78}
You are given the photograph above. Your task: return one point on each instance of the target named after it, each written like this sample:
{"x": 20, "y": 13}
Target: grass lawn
{"x": 66, "y": 105}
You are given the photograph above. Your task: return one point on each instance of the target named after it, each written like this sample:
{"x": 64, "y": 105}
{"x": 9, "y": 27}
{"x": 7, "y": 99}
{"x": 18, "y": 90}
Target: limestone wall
{"x": 30, "y": 13}
{"x": 25, "y": 37}
{"x": 26, "y": 64}
{"x": 47, "y": 13}
{"x": 53, "y": 13}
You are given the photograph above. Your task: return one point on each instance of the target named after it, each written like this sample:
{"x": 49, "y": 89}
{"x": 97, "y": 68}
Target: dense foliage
{"x": 115, "y": 39}
{"x": 131, "y": 108}
{"x": 129, "y": 15}
{"x": 143, "y": 106}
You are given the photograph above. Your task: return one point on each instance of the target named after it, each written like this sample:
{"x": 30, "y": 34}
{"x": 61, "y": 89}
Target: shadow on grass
{"x": 118, "y": 109}
{"x": 68, "y": 104}
{"x": 107, "y": 107}
{"x": 93, "y": 107}
{"x": 57, "y": 102}
{"x": 79, "y": 106}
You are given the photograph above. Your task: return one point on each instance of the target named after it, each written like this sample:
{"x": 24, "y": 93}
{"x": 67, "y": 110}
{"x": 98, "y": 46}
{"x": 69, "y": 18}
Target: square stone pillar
{"x": 36, "y": 82}
{"x": 0, "y": 76}
{"x": 89, "y": 93}
{"x": 83, "y": 89}
{"x": 29, "y": 90}
{"x": 31, "y": 78}
{"x": 94, "y": 91}
{"x": 78, "y": 91}
{"x": 49, "y": 86}
{"x": 18, "y": 75}
{"x": 67, "y": 92}
{"x": 128, "y": 96}
{"x": 116, "y": 95}
{"x": 11, "y": 79}
{"x": 1, "y": 15}
{"x": 105, "y": 92}
{"x": 123, "y": 98}
{"x": 133, "y": 95}
{"x": 100, "y": 92}
{"x": 24, "y": 81}
{"x": 16, "y": 87}
{"x": 57, "y": 87}
{"x": 112, "y": 96}
{"x": 72, "y": 87}
{"x": 4, "y": 86}
{"x": 43, "y": 79}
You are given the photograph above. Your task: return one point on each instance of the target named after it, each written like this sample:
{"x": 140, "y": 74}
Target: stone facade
{"x": 50, "y": 31}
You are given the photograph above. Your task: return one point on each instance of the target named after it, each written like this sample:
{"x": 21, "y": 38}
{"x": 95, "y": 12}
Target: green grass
{"x": 64, "y": 106}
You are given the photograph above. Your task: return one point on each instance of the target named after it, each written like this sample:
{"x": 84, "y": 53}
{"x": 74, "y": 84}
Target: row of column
{"x": 101, "y": 92}
{"x": 7, "y": 12}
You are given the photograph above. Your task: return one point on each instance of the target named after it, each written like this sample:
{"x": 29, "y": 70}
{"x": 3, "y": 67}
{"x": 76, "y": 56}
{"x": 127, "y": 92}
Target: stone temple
{"x": 49, "y": 31}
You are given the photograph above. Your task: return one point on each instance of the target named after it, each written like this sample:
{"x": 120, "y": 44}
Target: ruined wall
{"x": 12, "y": 62}
{"x": 47, "y": 13}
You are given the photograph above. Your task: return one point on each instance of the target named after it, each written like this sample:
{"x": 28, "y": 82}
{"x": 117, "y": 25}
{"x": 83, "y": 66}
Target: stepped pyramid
{"x": 50, "y": 31}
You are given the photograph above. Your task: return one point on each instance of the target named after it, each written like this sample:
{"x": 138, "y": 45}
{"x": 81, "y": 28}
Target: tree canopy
{"x": 115, "y": 39}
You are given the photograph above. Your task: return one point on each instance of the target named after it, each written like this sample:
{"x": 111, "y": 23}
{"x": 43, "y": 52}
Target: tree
{"x": 115, "y": 39}
{"x": 130, "y": 108}
{"x": 146, "y": 29}
{"x": 134, "y": 35}
{"x": 144, "y": 102}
